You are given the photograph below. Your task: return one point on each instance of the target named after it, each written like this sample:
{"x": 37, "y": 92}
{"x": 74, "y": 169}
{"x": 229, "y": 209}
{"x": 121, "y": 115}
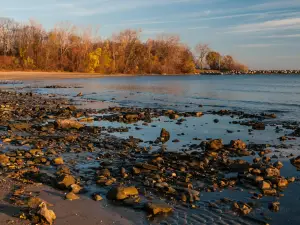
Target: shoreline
{"x": 35, "y": 75}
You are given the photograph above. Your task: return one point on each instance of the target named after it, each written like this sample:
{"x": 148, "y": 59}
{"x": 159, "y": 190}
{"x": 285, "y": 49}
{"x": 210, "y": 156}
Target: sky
{"x": 264, "y": 34}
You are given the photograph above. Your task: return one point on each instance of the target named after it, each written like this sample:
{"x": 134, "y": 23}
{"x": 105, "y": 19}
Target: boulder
{"x": 121, "y": 193}
{"x": 156, "y": 208}
{"x": 67, "y": 124}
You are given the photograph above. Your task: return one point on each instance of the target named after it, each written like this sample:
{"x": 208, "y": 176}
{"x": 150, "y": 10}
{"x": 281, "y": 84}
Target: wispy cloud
{"x": 287, "y": 57}
{"x": 281, "y": 4}
{"x": 289, "y": 23}
{"x": 171, "y": 30}
{"x": 283, "y": 36}
{"x": 108, "y": 6}
{"x": 256, "y": 45}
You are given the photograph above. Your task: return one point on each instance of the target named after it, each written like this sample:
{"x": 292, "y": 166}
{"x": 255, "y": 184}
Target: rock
{"x": 199, "y": 114}
{"x": 120, "y": 193}
{"x": 274, "y": 206}
{"x": 215, "y": 145}
{"x": 4, "y": 160}
{"x": 149, "y": 166}
{"x": 183, "y": 197}
{"x": 71, "y": 196}
{"x": 272, "y": 172}
{"x": 269, "y": 192}
{"x": 278, "y": 165}
{"x": 238, "y": 144}
{"x": 76, "y": 188}
{"x": 282, "y": 183}
{"x": 291, "y": 179}
{"x": 131, "y": 117}
{"x": 97, "y": 197}
{"x": 65, "y": 181}
{"x": 19, "y": 126}
{"x": 264, "y": 185}
{"x": 58, "y": 161}
{"x": 156, "y": 208}
{"x": 68, "y": 124}
{"x": 105, "y": 172}
{"x": 283, "y": 138}
{"x": 296, "y": 161}
{"x": 241, "y": 208}
{"x": 47, "y": 214}
{"x": 174, "y": 116}
{"x": 71, "y": 138}
{"x": 136, "y": 170}
{"x": 258, "y": 126}
{"x": 164, "y": 135}
{"x": 36, "y": 152}
{"x": 296, "y": 133}
{"x": 34, "y": 202}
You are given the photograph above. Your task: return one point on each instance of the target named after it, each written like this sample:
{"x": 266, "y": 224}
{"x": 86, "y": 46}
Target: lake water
{"x": 250, "y": 93}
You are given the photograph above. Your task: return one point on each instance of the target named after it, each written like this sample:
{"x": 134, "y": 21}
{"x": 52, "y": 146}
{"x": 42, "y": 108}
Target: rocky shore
{"x": 47, "y": 141}
{"x": 252, "y": 72}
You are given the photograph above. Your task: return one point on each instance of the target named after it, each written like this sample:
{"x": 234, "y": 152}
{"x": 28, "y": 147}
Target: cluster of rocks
{"x": 50, "y": 135}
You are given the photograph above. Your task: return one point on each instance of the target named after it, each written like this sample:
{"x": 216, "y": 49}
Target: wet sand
{"x": 20, "y": 75}
{"x": 84, "y": 211}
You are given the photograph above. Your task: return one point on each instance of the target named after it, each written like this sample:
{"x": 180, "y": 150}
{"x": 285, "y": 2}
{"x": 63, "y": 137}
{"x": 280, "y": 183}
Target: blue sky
{"x": 260, "y": 33}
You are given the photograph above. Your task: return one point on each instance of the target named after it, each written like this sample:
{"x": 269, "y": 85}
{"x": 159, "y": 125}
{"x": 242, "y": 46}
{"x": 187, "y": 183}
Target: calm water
{"x": 265, "y": 93}
{"x": 252, "y": 94}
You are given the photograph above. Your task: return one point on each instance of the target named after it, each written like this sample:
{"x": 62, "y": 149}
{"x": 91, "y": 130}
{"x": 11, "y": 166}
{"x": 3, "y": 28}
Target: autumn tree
{"x": 227, "y": 63}
{"x": 213, "y": 59}
{"x": 201, "y": 50}
{"x": 69, "y": 48}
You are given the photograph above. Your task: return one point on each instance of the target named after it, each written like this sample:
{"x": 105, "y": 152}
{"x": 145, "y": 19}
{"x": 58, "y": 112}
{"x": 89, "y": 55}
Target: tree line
{"x": 68, "y": 48}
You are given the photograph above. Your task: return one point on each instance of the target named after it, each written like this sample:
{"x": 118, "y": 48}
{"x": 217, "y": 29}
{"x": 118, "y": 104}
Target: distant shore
{"x": 29, "y": 75}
